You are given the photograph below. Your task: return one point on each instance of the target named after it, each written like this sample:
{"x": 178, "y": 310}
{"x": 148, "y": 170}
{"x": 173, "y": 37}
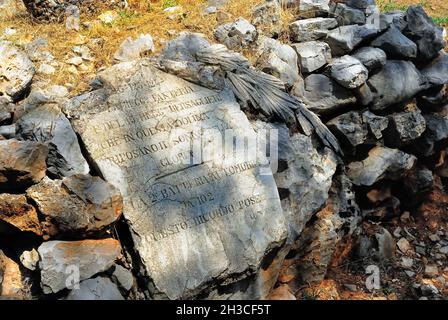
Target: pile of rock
{"x": 56, "y": 219}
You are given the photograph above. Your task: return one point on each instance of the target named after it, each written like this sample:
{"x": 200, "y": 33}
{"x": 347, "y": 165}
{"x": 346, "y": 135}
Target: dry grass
{"x": 143, "y": 16}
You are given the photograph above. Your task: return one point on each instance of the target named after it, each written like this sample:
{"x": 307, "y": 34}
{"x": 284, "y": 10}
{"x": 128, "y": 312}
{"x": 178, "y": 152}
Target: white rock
{"x": 132, "y": 49}
{"x": 349, "y": 72}
{"x": 30, "y": 259}
{"x": 99, "y": 288}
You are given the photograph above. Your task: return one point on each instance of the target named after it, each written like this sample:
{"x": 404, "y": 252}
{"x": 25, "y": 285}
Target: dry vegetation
{"x": 143, "y": 16}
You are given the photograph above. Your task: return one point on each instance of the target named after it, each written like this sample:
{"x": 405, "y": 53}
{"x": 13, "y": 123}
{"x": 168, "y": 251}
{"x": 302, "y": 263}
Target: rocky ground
{"x": 367, "y": 221}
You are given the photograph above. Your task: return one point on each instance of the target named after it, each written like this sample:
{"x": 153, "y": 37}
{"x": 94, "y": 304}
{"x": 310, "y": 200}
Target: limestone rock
{"x": 349, "y": 72}
{"x": 423, "y": 31}
{"x": 381, "y": 163}
{"x": 48, "y": 125}
{"x": 404, "y": 127}
{"x": 77, "y": 206}
{"x": 312, "y": 55}
{"x": 345, "y": 39}
{"x": 360, "y": 4}
{"x": 16, "y": 212}
{"x": 212, "y": 244}
{"x": 266, "y": 17}
{"x": 386, "y": 245}
{"x": 237, "y": 35}
{"x": 350, "y": 128}
{"x": 132, "y": 49}
{"x": 16, "y": 71}
{"x": 30, "y": 259}
{"x": 323, "y": 95}
{"x": 305, "y": 176}
{"x": 311, "y": 29}
{"x": 123, "y": 277}
{"x": 184, "y": 47}
{"x": 22, "y": 164}
{"x": 347, "y": 15}
{"x": 372, "y": 58}
{"x": 395, "y": 18}
{"x": 396, "y": 82}
{"x": 313, "y": 8}
{"x": 396, "y": 45}
{"x": 99, "y": 288}
{"x": 376, "y": 124}
{"x": 61, "y": 260}
{"x": 437, "y": 71}
{"x": 13, "y": 284}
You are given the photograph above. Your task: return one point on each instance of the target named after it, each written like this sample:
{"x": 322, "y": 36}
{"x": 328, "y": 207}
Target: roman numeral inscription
{"x": 194, "y": 219}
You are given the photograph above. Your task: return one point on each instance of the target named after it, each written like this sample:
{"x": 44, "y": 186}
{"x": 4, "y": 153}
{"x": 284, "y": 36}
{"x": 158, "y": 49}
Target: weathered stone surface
{"x": 59, "y": 258}
{"x": 396, "y": 45}
{"x": 312, "y": 55}
{"x": 30, "y": 259}
{"x": 346, "y": 15}
{"x": 437, "y": 71}
{"x": 436, "y": 131}
{"x": 313, "y": 8}
{"x": 266, "y": 17}
{"x": 350, "y": 127}
{"x": 417, "y": 185}
{"x": 277, "y": 59}
{"x": 360, "y": 4}
{"x": 77, "y": 206}
{"x": 372, "y": 58}
{"x": 12, "y": 282}
{"x": 395, "y": 18}
{"x": 237, "y": 35}
{"x": 345, "y": 39}
{"x": 195, "y": 222}
{"x": 184, "y": 47}
{"x": 304, "y": 176}
{"x": 396, "y": 82}
{"x": 16, "y": 212}
{"x": 99, "y": 288}
{"x": 132, "y": 49}
{"x": 323, "y": 95}
{"x": 284, "y": 63}
{"x": 48, "y": 125}
{"x": 16, "y": 71}
{"x": 22, "y": 164}
{"x": 311, "y": 29}
{"x": 376, "y": 124}
{"x": 404, "y": 127}
{"x": 349, "y": 72}
{"x": 423, "y": 31}
{"x": 381, "y": 163}
{"x": 123, "y": 277}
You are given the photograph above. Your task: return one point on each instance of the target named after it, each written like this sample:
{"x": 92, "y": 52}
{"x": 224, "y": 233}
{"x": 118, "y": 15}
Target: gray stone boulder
{"x": 381, "y": 163}
{"x": 436, "y": 131}
{"x": 322, "y": 95}
{"x": 312, "y": 55}
{"x": 77, "y": 206}
{"x": 346, "y": 15}
{"x": 424, "y": 32}
{"x": 396, "y": 45}
{"x": 360, "y": 4}
{"x": 394, "y": 18}
{"x": 437, "y": 71}
{"x": 345, "y": 39}
{"x": 350, "y": 128}
{"x": 123, "y": 277}
{"x": 313, "y": 8}
{"x": 132, "y": 49}
{"x": 48, "y": 125}
{"x": 99, "y": 288}
{"x": 266, "y": 17}
{"x": 277, "y": 59}
{"x": 376, "y": 124}
{"x": 237, "y": 35}
{"x": 404, "y": 128}
{"x": 184, "y": 47}
{"x": 16, "y": 71}
{"x": 311, "y": 29}
{"x": 396, "y": 82}
{"x": 349, "y": 72}
{"x": 22, "y": 164}
{"x": 304, "y": 174}
{"x": 61, "y": 262}
{"x": 372, "y": 58}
